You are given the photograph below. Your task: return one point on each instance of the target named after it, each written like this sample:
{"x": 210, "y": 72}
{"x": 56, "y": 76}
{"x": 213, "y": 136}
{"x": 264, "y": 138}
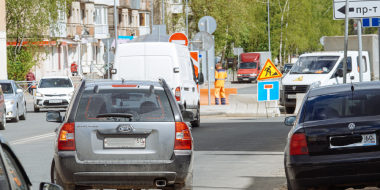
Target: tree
{"x": 30, "y": 22}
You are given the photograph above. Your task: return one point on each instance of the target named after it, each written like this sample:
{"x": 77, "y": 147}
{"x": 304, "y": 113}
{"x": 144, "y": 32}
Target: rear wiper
{"x": 126, "y": 115}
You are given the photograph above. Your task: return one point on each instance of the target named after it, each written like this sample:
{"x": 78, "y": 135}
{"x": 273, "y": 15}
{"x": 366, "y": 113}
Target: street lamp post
{"x": 115, "y": 23}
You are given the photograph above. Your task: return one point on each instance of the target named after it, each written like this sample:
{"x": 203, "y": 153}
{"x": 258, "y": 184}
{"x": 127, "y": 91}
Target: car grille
{"x": 64, "y": 102}
{"x": 245, "y": 75}
{"x": 54, "y": 95}
{"x": 299, "y": 89}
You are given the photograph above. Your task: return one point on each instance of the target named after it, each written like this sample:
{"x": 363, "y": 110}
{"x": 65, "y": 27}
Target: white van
{"x": 170, "y": 61}
{"x": 320, "y": 69}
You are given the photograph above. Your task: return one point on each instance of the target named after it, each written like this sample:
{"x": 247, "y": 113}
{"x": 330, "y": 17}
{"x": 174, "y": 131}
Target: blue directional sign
{"x": 371, "y": 22}
{"x": 268, "y": 91}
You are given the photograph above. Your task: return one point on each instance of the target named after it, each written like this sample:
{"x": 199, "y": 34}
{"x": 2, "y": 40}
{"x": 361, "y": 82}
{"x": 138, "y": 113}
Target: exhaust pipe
{"x": 160, "y": 183}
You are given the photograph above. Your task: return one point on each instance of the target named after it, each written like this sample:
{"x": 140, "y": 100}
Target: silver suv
{"x": 123, "y": 135}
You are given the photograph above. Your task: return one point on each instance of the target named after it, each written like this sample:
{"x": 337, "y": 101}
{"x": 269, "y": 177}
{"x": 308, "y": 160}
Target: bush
{"x": 19, "y": 63}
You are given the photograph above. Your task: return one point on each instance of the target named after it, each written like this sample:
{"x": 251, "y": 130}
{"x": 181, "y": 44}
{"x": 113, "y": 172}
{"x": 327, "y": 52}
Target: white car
{"x": 171, "y": 61}
{"x": 53, "y": 92}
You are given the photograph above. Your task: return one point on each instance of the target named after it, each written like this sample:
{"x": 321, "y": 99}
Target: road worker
{"x": 220, "y": 77}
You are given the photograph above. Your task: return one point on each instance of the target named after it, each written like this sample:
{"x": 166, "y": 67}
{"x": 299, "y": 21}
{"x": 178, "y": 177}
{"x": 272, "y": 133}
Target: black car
{"x": 334, "y": 141}
{"x": 12, "y": 174}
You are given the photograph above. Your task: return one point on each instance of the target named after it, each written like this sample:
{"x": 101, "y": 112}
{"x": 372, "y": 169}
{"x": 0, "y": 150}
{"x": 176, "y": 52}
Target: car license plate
{"x": 292, "y": 96}
{"x": 368, "y": 140}
{"x": 55, "y": 101}
{"x": 245, "y": 78}
{"x": 124, "y": 142}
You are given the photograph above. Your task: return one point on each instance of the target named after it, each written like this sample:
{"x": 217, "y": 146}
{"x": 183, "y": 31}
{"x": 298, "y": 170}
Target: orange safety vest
{"x": 220, "y": 77}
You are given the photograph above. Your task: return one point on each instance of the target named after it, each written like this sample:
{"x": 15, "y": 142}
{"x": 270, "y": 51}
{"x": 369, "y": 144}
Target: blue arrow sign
{"x": 268, "y": 91}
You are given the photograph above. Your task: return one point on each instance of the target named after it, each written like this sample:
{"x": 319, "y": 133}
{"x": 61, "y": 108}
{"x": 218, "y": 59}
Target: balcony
{"x": 144, "y": 30}
{"x": 87, "y": 31}
{"x": 145, "y": 5}
{"x": 124, "y": 3}
{"x": 134, "y": 4}
{"x": 73, "y": 29}
{"x": 101, "y": 31}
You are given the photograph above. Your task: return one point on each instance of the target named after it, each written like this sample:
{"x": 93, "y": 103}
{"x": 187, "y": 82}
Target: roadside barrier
{"x": 246, "y": 105}
{"x": 25, "y": 85}
{"x": 204, "y": 95}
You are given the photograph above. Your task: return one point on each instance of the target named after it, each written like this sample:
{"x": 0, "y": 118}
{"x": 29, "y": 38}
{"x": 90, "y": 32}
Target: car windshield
{"x": 55, "y": 83}
{"x": 314, "y": 65}
{"x": 287, "y": 68}
{"x": 124, "y": 105}
{"x": 248, "y": 65}
{"x": 7, "y": 88}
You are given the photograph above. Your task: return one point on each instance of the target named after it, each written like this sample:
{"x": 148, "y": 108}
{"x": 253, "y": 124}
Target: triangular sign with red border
{"x": 269, "y": 71}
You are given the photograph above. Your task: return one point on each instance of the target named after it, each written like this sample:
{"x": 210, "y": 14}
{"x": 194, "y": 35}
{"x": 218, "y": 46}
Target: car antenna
{"x": 122, "y": 80}
{"x": 352, "y": 85}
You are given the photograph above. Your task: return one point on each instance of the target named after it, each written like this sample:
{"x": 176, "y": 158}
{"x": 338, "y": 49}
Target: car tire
{"x": 23, "y": 116}
{"x": 36, "y": 109}
{"x": 4, "y": 120}
{"x": 197, "y": 122}
{"x": 57, "y": 179}
{"x": 17, "y": 118}
{"x": 289, "y": 110}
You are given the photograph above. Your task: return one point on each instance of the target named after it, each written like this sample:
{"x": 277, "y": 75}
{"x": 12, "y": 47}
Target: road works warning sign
{"x": 269, "y": 71}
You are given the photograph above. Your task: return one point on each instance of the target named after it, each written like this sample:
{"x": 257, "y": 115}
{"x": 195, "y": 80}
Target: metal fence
{"x": 25, "y": 86}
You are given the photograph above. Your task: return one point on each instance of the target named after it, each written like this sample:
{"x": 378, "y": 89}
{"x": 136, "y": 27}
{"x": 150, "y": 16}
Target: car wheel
{"x": 57, "y": 180}
{"x": 197, "y": 122}
{"x": 36, "y": 109}
{"x": 23, "y": 116}
{"x": 289, "y": 110}
{"x": 17, "y": 118}
{"x": 4, "y": 120}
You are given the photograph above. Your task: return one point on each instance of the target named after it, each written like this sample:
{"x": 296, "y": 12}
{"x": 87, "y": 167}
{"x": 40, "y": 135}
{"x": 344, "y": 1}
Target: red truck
{"x": 250, "y": 65}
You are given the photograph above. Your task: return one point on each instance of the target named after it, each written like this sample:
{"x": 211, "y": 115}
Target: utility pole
{"x": 360, "y": 50}
{"x": 345, "y": 42}
{"x": 187, "y": 22}
{"x": 115, "y": 23}
{"x": 268, "y": 27}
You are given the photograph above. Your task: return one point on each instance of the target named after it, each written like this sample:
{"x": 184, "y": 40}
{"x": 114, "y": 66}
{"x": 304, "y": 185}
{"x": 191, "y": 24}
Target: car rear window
{"x": 329, "y": 107}
{"x": 366, "y": 103}
{"x": 140, "y": 103}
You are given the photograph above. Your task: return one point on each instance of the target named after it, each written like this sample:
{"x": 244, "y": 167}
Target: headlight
{"x": 39, "y": 94}
{"x": 71, "y": 93}
{"x": 9, "y": 102}
{"x": 239, "y": 75}
{"x": 315, "y": 84}
{"x": 281, "y": 86}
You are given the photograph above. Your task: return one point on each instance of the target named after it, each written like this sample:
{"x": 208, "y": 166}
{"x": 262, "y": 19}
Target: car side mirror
{"x": 289, "y": 121}
{"x": 49, "y": 186}
{"x": 340, "y": 72}
{"x": 201, "y": 79}
{"x": 187, "y": 116}
{"x": 54, "y": 116}
{"x": 19, "y": 91}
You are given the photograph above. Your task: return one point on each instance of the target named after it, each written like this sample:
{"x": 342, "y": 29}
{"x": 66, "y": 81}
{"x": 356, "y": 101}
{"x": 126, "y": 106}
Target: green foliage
{"x": 296, "y": 25}
{"x": 19, "y": 65}
{"x": 29, "y": 22}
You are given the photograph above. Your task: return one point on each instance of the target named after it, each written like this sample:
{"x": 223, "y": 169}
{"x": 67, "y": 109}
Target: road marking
{"x": 25, "y": 140}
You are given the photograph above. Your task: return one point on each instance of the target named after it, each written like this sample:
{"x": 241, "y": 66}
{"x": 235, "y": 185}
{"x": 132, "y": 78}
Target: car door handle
{"x": 186, "y": 88}
{"x": 193, "y": 89}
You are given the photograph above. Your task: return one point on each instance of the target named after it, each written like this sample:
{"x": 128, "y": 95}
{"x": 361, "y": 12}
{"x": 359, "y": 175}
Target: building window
{"x": 100, "y": 15}
{"x": 52, "y": 59}
{"x": 142, "y": 19}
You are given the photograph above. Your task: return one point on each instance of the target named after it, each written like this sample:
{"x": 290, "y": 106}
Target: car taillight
{"x": 298, "y": 144}
{"x": 182, "y": 137}
{"x": 66, "y": 139}
{"x": 178, "y": 94}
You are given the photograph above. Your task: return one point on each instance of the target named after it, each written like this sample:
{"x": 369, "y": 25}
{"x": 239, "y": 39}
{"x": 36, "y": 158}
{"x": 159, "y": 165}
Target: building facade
{"x": 3, "y": 42}
{"x": 86, "y": 35}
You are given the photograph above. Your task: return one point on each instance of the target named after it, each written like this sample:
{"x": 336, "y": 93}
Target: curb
{"x": 212, "y": 113}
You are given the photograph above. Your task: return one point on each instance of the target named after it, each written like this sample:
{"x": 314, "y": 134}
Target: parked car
{"x": 286, "y": 68}
{"x": 171, "y": 61}
{"x": 12, "y": 173}
{"x": 14, "y": 100}
{"x": 123, "y": 135}
{"x": 53, "y": 92}
{"x": 334, "y": 141}
{"x": 3, "y": 119}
